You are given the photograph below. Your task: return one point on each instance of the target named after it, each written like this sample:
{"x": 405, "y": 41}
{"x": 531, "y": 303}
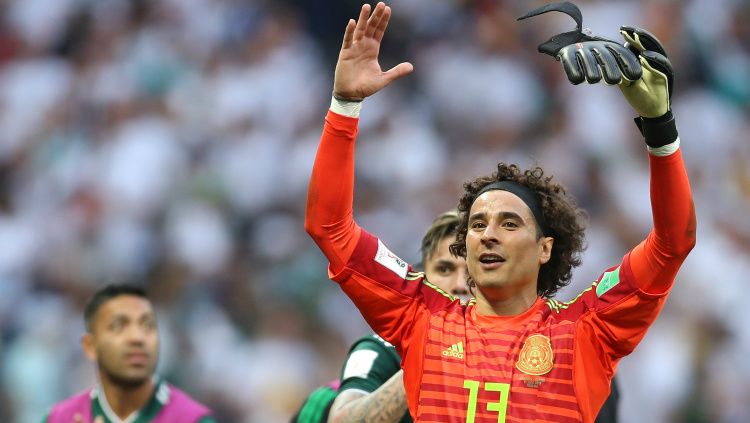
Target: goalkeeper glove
{"x": 640, "y": 68}
{"x": 649, "y": 95}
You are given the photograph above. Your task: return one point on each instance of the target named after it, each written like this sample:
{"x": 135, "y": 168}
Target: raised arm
{"x": 358, "y": 75}
{"x": 654, "y": 261}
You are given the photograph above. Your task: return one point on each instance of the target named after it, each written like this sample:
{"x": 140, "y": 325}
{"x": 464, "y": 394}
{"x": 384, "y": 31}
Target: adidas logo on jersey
{"x": 455, "y": 350}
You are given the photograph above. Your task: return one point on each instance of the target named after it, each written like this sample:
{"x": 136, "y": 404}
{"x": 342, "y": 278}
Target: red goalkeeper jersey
{"x": 553, "y": 363}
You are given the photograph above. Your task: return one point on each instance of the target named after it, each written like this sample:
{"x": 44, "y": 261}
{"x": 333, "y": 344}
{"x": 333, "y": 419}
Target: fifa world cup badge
{"x": 536, "y": 357}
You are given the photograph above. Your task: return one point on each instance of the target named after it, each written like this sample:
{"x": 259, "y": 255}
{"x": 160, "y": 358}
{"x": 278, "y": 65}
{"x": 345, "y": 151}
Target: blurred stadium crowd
{"x": 171, "y": 141}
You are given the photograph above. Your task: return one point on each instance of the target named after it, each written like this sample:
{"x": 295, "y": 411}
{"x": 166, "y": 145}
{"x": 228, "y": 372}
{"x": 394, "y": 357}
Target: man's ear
{"x": 545, "y": 249}
{"x": 87, "y": 344}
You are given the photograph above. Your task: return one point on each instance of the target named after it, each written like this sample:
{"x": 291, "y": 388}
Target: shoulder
{"x": 64, "y": 410}
{"x": 610, "y": 289}
{"x": 373, "y": 342}
{"x": 181, "y": 404}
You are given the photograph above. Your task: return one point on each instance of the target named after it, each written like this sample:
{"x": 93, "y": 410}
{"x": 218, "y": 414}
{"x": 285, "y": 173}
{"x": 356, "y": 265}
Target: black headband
{"x": 527, "y": 195}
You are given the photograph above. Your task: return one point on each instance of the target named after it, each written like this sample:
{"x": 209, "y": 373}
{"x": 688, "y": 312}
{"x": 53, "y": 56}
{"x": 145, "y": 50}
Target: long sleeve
{"x": 655, "y": 261}
{"x": 330, "y": 196}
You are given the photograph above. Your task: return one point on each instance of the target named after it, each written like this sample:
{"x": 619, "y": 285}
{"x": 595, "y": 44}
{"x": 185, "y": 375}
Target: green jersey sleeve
{"x": 370, "y": 363}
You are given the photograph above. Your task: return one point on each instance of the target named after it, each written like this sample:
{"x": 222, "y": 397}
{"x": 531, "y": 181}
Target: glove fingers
{"x": 572, "y": 67}
{"x": 627, "y": 62}
{"x": 644, "y": 38}
{"x": 608, "y": 64}
{"x": 631, "y": 42}
{"x": 660, "y": 63}
{"x": 590, "y": 65}
{"x": 592, "y": 61}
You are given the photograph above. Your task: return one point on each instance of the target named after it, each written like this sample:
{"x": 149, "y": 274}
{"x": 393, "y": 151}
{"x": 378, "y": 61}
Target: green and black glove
{"x": 640, "y": 69}
{"x": 649, "y": 95}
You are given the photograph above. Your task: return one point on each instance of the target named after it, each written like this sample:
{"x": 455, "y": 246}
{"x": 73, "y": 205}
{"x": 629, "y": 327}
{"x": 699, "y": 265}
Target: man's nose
{"x": 136, "y": 334}
{"x": 489, "y": 235}
{"x": 460, "y": 284}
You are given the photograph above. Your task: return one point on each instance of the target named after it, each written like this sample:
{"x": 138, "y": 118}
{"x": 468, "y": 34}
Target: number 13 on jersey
{"x": 500, "y": 406}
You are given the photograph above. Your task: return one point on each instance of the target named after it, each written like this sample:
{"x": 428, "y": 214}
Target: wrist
{"x": 346, "y": 107}
{"x": 658, "y": 131}
{"x": 347, "y": 99}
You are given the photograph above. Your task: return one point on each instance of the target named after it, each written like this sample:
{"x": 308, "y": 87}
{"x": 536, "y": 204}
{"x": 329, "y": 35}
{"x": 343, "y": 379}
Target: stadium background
{"x": 171, "y": 142}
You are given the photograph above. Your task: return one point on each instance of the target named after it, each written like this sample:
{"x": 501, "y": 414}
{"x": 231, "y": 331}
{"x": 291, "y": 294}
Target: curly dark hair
{"x": 565, "y": 222}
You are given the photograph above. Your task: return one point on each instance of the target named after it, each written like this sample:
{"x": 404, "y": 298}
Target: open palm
{"x": 358, "y": 73}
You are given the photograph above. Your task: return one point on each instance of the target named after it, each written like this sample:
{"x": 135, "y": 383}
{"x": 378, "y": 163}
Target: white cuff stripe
{"x": 665, "y": 150}
{"x": 346, "y": 108}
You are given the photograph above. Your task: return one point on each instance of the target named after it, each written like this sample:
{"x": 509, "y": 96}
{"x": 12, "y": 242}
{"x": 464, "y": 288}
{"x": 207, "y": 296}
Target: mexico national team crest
{"x": 536, "y": 357}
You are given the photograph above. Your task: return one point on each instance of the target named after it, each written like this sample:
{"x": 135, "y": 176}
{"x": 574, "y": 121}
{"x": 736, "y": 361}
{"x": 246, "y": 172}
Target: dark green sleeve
{"x": 44, "y": 419}
{"x": 370, "y": 363}
{"x": 207, "y": 419}
{"x": 316, "y": 406}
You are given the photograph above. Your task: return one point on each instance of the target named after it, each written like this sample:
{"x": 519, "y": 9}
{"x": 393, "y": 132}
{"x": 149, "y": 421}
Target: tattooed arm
{"x": 387, "y": 404}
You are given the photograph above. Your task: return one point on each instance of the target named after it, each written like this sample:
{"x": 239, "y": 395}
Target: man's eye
{"x": 510, "y": 224}
{"x": 443, "y": 270}
{"x": 477, "y": 225}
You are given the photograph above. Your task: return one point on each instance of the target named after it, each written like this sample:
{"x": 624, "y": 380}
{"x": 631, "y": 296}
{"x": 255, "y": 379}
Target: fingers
{"x": 611, "y": 72}
{"x": 632, "y": 42}
{"x": 642, "y": 39}
{"x": 593, "y": 61}
{"x": 396, "y": 72}
{"x": 359, "y": 30}
{"x": 627, "y": 63}
{"x": 348, "y": 34}
{"x": 571, "y": 65}
{"x": 374, "y": 22}
{"x": 659, "y": 64}
{"x": 380, "y": 29}
{"x": 371, "y": 25}
{"x": 590, "y": 65}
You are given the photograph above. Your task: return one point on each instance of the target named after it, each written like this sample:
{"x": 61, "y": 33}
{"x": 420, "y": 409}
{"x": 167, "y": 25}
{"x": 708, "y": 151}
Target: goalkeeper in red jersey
{"x": 514, "y": 353}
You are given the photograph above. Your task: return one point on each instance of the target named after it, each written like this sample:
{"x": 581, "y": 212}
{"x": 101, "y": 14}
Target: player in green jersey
{"x": 122, "y": 339}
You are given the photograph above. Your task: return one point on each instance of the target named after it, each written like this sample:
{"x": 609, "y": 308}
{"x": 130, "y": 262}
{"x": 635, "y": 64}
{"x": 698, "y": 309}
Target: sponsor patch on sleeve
{"x": 385, "y": 257}
{"x": 360, "y": 363}
{"x": 609, "y": 281}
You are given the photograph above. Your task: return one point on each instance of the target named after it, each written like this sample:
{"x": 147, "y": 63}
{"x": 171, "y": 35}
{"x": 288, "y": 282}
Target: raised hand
{"x": 650, "y": 95}
{"x": 358, "y": 73}
{"x": 640, "y": 69}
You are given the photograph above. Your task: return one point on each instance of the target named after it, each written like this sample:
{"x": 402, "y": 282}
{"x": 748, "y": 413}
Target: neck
{"x": 509, "y": 306}
{"x": 124, "y": 400}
